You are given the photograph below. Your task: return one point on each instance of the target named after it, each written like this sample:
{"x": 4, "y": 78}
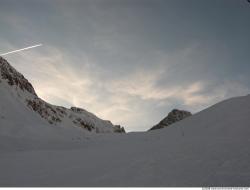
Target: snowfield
{"x": 210, "y": 148}
{"x": 46, "y": 145}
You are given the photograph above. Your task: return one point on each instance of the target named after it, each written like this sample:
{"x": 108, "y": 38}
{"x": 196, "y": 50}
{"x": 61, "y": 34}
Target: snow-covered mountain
{"x": 210, "y": 148}
{"x": 174, "y": 116}
{"x": 21, "y": 109}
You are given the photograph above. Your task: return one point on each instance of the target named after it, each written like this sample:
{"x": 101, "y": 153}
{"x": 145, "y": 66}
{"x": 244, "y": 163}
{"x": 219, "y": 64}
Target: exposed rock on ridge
{"x": 174, "y": 116}
{"x": 14, "y": 78}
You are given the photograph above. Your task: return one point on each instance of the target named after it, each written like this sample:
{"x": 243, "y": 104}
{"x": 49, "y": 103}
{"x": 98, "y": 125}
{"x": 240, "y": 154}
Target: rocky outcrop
{"x": 51, "y": 113}
{"x": 119, "y": 129}
{"x": 174, "y": 116}
{"x": 14, "y": 78}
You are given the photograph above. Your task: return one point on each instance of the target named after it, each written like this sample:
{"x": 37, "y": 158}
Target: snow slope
{"x": 24, "y": 114}
{"x": 210, "y": 148}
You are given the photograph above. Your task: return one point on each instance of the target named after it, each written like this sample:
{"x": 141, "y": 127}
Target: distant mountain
{"x": 174, "y": 116}
{"x": 21, "y": 108}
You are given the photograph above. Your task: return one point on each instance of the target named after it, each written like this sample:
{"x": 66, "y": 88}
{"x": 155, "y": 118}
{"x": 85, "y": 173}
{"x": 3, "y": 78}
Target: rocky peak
{"x": 54, "y": 115}
{"x": 14, "y": 78}
{"x": 174, "y": 116}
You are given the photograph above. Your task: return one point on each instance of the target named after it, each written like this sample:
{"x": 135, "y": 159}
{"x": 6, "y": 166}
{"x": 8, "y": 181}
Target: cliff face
{"x": 15, "y": 84}
{"x": 173, "y": 116}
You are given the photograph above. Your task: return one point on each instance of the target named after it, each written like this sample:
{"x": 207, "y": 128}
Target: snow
{"x": 207, "y": 149}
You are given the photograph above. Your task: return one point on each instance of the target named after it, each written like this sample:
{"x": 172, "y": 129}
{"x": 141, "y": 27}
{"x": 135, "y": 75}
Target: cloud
{"x": 135, "y": 99}
{"x": 142, "y": 84}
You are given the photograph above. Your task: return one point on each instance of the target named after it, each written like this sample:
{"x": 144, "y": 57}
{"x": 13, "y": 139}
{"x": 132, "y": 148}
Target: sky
{"x": 130, "y": 61}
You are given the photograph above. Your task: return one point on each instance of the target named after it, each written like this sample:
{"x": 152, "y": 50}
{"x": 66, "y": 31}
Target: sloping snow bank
{"x": 207, "y": 149}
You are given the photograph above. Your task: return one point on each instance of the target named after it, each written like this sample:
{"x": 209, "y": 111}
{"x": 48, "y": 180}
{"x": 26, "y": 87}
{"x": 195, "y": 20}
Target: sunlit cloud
{"x": 125, "y": 100}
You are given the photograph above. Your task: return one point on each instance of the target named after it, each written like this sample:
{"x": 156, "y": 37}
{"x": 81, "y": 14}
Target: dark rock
{"x": 14, "y": 78}
{"x": 119, "y": 129}
{"x": 174, "y": 116}
{"x": 78, "y": 110}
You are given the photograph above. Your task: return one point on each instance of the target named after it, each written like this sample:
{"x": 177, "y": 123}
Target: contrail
{"x": 21, "y": 49}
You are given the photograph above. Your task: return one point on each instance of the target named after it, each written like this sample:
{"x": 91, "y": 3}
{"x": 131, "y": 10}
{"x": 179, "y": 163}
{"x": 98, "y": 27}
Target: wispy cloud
{"x": 122, "y": 100}
{"x": 125, "y": 100}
